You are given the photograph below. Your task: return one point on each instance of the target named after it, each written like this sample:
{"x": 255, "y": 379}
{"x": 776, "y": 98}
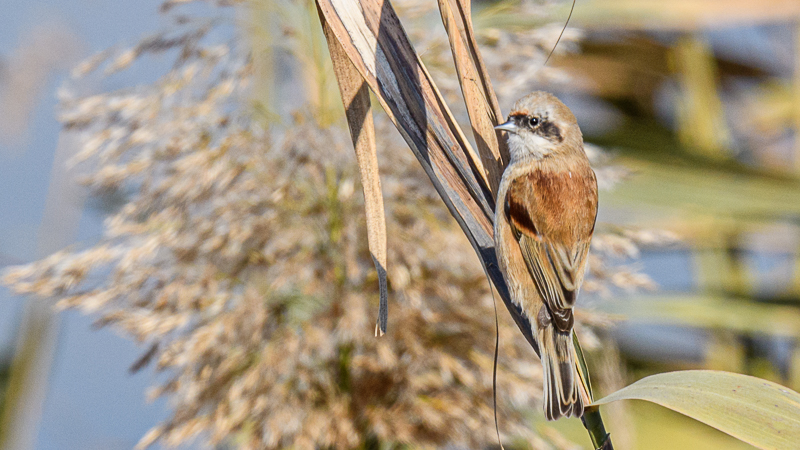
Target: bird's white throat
{"x": 528, "y": 146}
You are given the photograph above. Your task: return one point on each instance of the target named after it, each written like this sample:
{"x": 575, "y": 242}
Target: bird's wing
{"x": 555, "y": 256}
{"x": 556, "y": 269}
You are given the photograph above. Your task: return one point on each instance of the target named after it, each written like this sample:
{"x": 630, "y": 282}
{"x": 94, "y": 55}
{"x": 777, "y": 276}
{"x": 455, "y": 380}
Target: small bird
{"x": 544, "y": 221}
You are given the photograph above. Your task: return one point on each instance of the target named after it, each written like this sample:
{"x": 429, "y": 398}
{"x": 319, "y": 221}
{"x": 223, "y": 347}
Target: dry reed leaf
{"x": 482, "y": 107}
{"x": 465, "y": 9}
{"x": 371, "y": 35}
{"x": 482, "y": 127}
{"x": 355, "y": 95}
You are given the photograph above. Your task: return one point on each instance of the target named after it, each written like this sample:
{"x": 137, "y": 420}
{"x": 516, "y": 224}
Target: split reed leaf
{"x": 370, "y": 34}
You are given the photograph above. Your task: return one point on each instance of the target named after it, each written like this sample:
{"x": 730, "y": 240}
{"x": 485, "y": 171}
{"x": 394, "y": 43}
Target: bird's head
{"x": 540, "y": 125}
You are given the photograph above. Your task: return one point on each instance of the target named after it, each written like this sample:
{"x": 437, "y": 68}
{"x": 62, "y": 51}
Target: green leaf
{"x": 759, "y": 412}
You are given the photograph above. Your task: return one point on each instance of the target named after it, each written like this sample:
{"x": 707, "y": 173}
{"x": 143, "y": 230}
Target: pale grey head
{"x": 539, "y": 125}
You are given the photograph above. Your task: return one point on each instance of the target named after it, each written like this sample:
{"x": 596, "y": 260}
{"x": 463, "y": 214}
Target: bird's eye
{"x": 533, "y": 121}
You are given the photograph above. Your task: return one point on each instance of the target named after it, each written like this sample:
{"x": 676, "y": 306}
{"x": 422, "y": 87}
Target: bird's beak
{"x": 509, "y": 126}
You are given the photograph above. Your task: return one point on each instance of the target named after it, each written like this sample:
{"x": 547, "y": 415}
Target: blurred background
{"x": 190, "y": 162}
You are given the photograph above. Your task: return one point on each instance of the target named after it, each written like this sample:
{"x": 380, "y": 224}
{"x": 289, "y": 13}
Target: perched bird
{"x": 545, "y": 216}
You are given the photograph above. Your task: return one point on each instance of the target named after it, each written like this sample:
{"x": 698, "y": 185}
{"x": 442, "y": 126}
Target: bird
{"x": 544, "y": 221}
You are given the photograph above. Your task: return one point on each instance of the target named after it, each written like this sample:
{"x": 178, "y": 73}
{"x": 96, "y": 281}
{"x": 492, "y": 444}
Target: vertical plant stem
{"x": 701, "y": 117}
{"x": 39, "y": 331}
{"x": 591, "y": 419}
{"x": 261, "y": 20}
{"x": 335, "y": 230}
{"x": 796, "y": 98}
{"x": 737, "y": 275}
{"x": 317, "y": 67}
{"x": 593, "y": 422}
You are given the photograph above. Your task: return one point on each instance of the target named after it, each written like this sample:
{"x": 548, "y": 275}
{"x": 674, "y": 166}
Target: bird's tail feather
{"x": 565, "y": 393}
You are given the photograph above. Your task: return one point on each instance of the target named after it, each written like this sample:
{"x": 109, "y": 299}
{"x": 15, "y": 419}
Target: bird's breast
{"x": 558, "y": 203}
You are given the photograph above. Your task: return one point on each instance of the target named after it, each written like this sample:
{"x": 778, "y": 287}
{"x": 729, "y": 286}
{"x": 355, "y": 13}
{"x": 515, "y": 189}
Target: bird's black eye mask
{"x": 540, "y": 126}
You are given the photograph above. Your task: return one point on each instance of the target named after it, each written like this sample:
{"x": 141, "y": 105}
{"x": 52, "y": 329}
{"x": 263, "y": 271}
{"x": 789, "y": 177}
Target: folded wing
{"x": 552, "y": 216}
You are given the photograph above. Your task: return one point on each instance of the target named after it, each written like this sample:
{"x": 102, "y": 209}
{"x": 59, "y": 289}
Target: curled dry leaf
{"x": 355, "y": 95}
